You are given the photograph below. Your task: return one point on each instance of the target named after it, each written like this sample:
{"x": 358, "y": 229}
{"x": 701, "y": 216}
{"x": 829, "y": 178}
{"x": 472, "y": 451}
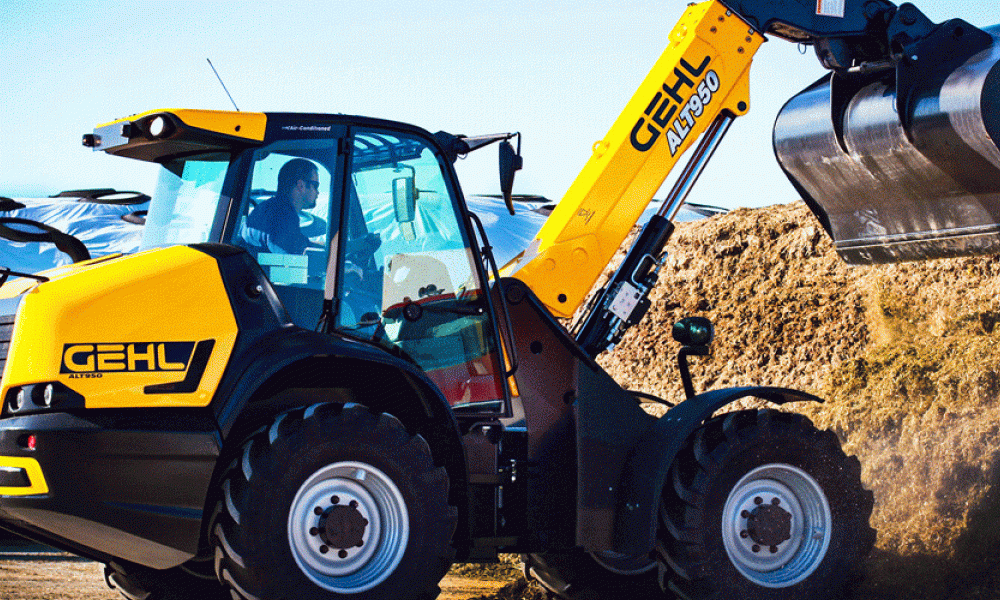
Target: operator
{"x": 274, "y": 225}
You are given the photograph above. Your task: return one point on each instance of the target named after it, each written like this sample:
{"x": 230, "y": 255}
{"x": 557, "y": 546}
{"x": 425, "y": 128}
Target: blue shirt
{"x": 274, "y": 227}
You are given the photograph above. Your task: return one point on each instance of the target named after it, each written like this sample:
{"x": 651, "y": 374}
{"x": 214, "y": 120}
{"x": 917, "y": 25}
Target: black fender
{"x": 295, "y": 357}
{"x": 645, "y": 474}
{"x": 269, "y": 345}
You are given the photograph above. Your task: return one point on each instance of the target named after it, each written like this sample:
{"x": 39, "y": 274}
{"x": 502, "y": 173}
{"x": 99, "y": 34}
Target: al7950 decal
{"x": 671, "y": 114}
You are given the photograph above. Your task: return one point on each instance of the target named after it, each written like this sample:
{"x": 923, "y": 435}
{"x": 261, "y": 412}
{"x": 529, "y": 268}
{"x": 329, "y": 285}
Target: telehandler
{"x": 219, "y": 416}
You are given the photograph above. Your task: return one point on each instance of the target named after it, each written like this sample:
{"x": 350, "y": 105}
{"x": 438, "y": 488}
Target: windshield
{"x": 185, "y": 202}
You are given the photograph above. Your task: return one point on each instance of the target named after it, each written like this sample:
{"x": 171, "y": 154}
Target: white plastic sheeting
{"x": 99, "y": 226}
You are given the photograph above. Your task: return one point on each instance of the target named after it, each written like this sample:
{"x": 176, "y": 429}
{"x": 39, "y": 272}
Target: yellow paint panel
{"x": 702, "y": 73}
{"x": 36, "y": 480}
{"x": 16, "y": 287}
{"x": 162, "y": 296}
{"x": 239, "y": 124}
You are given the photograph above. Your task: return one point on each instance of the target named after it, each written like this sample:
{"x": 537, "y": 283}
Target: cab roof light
{"x": 159, "y": 126}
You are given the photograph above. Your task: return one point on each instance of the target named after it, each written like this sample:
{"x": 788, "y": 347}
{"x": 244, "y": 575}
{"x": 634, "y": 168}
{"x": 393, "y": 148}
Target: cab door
{"x": 289, "y": 207}
{"x": 408, "y": 275}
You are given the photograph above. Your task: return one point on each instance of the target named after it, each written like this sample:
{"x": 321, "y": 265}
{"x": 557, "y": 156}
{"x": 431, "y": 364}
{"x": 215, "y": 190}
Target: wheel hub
{"x": 769, "y": 524}
{"x": 343, "y": 526}
{"x": 348, "y": 527}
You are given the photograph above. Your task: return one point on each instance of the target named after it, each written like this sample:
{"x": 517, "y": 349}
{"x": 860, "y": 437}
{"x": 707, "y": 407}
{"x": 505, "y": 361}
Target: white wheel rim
{"x": 797, "y": 514}
{"x": 374, "y": 505}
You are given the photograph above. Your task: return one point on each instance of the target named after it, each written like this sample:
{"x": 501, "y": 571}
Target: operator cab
{"x": 386, "y": 255}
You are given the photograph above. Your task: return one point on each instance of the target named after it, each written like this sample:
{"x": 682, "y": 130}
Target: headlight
{"x": 17, "y": 401}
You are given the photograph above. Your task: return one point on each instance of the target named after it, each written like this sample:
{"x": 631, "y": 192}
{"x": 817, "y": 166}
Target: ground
{"x": 43, "y": 575}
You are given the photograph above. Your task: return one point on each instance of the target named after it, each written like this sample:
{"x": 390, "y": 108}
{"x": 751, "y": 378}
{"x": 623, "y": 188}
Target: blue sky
{"x": 559, "y": 72}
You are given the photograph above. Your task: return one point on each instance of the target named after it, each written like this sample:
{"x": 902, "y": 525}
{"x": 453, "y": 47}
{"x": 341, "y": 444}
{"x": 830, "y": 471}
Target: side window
{"x": 408, "y": 274}
{"x": 284, "y": 223}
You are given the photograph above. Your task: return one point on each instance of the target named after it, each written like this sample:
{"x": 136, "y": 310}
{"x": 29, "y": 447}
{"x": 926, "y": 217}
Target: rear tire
{"x": 579, "y": 575}
{"x": 764, "y": 505}
{"x": 334, "y": 502}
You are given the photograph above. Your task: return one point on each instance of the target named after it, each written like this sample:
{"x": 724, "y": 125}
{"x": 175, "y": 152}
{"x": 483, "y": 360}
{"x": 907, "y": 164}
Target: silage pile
{"x": 907, "y": 356}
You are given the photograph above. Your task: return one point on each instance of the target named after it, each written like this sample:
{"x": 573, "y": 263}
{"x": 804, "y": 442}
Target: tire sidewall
{"x": 279, "y": 574}
{"x": 753, "y": 451}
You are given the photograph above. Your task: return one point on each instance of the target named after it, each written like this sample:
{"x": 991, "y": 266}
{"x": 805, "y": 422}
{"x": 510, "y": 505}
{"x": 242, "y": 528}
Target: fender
{"x": 646, "y": 472}
{"x": 295, "y": 353}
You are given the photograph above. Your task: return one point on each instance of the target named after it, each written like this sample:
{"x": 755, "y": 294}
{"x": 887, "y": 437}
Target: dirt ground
{"x": 57, "y": 576}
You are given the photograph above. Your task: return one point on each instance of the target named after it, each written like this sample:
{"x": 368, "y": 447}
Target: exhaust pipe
{"x": 903, "y": 163}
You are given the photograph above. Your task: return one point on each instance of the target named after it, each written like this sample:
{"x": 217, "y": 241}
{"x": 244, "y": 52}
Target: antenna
{"x": 222, "y": 84}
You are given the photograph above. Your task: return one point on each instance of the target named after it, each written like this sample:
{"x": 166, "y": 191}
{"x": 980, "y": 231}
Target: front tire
{"x": 764, "y": 505}
{"x": 334, "y": 502}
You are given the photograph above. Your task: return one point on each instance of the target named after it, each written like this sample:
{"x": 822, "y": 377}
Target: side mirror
{"x": 694, "y": 331}
{"x": 695, "y": 334}
{"x": 404, "y": 202}
{"x": 510, "y": 163}
{"x": 404, "y": 198}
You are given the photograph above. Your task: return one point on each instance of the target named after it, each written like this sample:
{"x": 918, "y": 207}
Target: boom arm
{"x": 702, "y": 74}
{"x": 700, "y": 84}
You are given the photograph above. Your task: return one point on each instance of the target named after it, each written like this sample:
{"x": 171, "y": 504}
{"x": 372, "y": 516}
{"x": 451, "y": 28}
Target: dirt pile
{"x": 907, "y": 356}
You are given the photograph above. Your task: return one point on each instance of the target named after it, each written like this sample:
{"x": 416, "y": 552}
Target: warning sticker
{"x": 830, "y": 8}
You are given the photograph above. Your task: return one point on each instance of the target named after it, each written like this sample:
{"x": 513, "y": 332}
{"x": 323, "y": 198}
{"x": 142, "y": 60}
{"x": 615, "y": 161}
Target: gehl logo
{"x": 92, "y": 360}
{"x": 670, "y": 114}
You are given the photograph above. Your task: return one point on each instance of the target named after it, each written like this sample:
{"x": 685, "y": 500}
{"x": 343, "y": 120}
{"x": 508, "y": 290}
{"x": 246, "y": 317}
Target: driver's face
{"x": 310, "y": 191}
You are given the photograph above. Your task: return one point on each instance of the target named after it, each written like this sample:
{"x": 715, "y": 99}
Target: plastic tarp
{"x": 99, "y": 226}
{"x": 103, "y": 230}
{"x": 509, "y": 235}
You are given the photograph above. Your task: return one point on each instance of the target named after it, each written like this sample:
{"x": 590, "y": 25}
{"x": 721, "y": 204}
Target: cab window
{"x": 284, "y": 218}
